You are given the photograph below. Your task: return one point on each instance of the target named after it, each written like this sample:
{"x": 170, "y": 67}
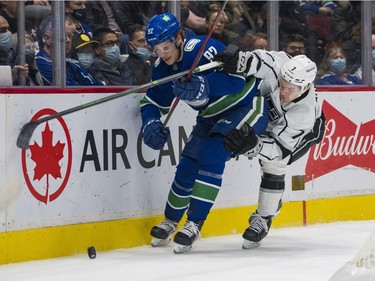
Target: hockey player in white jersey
{"x": 296, "y": 122}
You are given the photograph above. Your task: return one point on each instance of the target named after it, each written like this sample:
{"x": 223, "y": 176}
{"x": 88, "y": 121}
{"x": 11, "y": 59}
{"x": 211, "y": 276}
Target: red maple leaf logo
{"x": 47, "y": 157}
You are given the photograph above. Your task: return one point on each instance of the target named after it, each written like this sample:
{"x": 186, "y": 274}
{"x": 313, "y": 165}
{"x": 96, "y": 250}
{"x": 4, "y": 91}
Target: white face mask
{"x": 85, "y": 59}
{"x": 112, "y": 54}
{"x": 6, "y": 40}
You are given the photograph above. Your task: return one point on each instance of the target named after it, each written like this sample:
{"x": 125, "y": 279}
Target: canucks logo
{"x": 190, "y": 45}
{"x": 166, "y": 18}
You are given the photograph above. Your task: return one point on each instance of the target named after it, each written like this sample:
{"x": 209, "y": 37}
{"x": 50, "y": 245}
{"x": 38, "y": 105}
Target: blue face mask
{"x": 373, "y": 56}
{"x": 6, "y": 40}
{"x": 143, "y": 53}
{"x": 112, "y": 54}
{"x": 85, "y": 59}
{"x": 338, "y": 65}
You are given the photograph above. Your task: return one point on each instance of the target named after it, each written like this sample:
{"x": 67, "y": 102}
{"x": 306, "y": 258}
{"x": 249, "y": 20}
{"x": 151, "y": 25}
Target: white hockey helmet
{"x": 299, "y": 71}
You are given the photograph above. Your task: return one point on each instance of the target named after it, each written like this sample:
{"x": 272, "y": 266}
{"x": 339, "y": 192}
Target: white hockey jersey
{"x": 289, "y": 123}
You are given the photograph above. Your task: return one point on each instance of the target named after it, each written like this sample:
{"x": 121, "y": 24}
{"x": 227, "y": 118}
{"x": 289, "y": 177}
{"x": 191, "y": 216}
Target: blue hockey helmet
{"x": 161, "y": 28}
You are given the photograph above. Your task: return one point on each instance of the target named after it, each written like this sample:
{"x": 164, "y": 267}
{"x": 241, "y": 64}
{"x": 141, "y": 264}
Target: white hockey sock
{"x": 268, "y": 201}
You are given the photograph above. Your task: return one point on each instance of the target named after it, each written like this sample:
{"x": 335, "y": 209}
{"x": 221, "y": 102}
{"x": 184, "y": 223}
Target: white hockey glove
{"x": 236, "y": 61}
{"x": 243, "y": 141}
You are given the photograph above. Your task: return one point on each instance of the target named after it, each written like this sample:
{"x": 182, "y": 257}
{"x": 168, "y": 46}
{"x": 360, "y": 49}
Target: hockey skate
{"x": 185, "y": 238}
{"x": 162, "y": 233}
{"x": 255, "y": 233}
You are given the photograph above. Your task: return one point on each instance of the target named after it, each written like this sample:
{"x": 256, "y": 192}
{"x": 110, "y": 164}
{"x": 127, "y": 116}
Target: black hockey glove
{"x": 229, "y": 57}
{"x": 243, "y": 141}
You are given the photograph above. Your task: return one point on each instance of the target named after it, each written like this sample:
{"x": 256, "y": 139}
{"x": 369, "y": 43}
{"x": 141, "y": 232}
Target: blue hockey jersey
{"x": 226, "y": 90}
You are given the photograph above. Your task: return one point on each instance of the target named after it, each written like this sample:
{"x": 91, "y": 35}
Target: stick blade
{"x": 25, "y": 135}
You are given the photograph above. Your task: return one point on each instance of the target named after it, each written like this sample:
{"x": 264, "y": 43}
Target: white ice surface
{"x": 311, "y": 253}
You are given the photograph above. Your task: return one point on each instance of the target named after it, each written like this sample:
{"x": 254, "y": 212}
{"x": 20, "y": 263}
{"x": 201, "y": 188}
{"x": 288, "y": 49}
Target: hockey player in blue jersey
{"x": 223, "y": 102}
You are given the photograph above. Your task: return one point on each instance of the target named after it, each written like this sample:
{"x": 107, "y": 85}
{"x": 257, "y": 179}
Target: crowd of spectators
{"x": 105, "y": 40}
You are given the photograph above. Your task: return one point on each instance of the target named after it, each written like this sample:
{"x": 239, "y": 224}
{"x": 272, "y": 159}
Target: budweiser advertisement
{"x": 346, "y": 144}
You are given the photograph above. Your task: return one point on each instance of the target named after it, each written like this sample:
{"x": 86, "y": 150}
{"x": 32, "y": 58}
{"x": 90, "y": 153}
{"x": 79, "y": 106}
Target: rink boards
{"x": 87, "y": 179}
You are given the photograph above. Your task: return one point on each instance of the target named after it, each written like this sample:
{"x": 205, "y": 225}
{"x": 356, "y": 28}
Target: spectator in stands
{"x": 78, "y": 11}
{"x": 83, "y": 49}
{"x": 107, "y": 64}
{"x": 6, "y": 42}
{"x": 137, "y": 67}
{"x": 294, "y": 45}
{"x": 220, "y": 33}
{"x": 316, "y": 17}
{"x": 30, "y": 50}
{"x": 30, "y": 29}
{"x": 258, "y": 11}
{"x": 140, "y": 12}
{"x": 333, "y": 69}
{"x": 44, "y": 57}
{"x": 37, "y": 10}
{"x": 109, "y": 14}
{"x": 250, "y": 42}
{"x": 260, "y": 41}
{"x": 8, "y": 55}
{"x": 31, "y": 47}
{"x": 358, "y": 72}
{"x": 184, "y": 12}
{"x": 345, "y": 17}
{"x": 346, "y": 28}
{"x": 289, "y": 22}
{"x": 289, "y": 19}
{"x": 197, "y": 12}
{"x": 325, "y": 7}
{"x": 238, "y": 17}
{"x": 256, "y": 14}
{"x": 8, "y": 9}
{"x": 75, "y": 74}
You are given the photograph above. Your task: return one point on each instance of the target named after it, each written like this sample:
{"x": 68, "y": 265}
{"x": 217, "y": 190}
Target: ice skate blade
{"x": 181, "y": 249}
{"x": 249, "y": 244}
{"x": 276, "y": 214}
{"x": 156, "y": 242}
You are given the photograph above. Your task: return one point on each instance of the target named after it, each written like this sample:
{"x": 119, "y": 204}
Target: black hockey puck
{"x": 91, "y": 252}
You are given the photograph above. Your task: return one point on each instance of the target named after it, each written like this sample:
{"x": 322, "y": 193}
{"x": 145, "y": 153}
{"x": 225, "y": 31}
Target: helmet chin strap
{"x": 304, "y": 89}
{"x": 180, "y": 52}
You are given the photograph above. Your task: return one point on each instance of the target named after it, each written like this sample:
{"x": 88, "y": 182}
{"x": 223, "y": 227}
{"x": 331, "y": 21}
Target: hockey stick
{"x": 28, "y": 129}
{"x": 195, "y": 62}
